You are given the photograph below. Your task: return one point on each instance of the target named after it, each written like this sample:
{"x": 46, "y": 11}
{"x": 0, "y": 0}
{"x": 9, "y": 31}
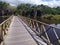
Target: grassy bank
{"x": 51, "y": 19}
{"x": 2, "y": 18}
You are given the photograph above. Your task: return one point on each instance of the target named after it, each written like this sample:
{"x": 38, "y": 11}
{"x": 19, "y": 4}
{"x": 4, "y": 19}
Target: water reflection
{"x": 55, "y": 25}
{"x": 51, "y": 34}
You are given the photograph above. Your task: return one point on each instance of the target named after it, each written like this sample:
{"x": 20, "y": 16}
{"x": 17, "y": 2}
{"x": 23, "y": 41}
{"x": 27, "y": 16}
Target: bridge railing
{"x": 42, "y": 30}
{"x": 4, "y": 28}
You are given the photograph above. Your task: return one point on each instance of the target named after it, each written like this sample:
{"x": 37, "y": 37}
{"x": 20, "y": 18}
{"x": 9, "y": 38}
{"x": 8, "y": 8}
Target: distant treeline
{"x": 29, "y": 10}
{"x": 35, "y": 11}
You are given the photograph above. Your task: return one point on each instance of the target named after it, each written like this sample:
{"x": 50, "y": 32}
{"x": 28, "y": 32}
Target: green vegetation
{"x": 51, "y": 18}
{"x": 5, "y": 11}
{"x": 38, "y": 12}
{"x": 43, "y": 8}
{"x": 2, "y": 18}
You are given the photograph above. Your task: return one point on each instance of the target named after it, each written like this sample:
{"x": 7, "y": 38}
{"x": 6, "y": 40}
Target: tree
{"x": 36, "y": 11}
{"x": 3, "y": 7}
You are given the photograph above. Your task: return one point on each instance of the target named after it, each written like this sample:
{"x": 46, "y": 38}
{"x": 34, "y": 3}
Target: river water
{"x": 56, "y": 25}
{"x": 51, "y": 34}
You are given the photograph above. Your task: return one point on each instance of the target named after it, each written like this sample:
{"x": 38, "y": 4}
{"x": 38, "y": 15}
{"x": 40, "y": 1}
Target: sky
{"x": 51, "y": 3}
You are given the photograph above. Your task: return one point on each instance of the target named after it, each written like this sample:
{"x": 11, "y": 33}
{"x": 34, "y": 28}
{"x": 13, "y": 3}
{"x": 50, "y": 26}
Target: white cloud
{"x": 51, "y": 3}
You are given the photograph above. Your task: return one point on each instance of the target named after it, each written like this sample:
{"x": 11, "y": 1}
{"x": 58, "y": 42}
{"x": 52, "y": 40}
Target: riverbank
{"x": 51, "y": 19}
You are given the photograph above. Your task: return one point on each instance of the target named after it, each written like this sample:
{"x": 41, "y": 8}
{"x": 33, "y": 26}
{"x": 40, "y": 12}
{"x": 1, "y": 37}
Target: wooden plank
{"x": 18, "y": 35}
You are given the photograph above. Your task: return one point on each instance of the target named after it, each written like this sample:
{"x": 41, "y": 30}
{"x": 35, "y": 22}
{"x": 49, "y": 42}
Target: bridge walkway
{"x": 18, "y": 35}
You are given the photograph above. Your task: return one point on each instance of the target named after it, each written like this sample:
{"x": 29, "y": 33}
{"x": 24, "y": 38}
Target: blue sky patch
{"x": 57, "y": 0}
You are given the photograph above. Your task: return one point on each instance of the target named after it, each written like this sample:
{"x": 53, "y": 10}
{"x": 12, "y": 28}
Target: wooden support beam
{"x": 46, "y": 33}
{"x": 46, "y": 40}
{"x": 56, "y": 35}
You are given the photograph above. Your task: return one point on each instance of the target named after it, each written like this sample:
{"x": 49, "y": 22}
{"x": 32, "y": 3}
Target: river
{"x": 51, "y": 34}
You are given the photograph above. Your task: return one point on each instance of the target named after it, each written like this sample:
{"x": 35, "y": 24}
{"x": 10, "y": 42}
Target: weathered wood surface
{"x": 4, "y": 28}
{"x": 50, "y": 34}
{"x": 18, "y": 35}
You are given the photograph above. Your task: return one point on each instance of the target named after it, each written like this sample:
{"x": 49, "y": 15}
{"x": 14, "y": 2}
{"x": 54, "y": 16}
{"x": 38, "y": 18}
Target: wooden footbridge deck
{"x": 18, "y": 35}
{"x": 19, "y": 30}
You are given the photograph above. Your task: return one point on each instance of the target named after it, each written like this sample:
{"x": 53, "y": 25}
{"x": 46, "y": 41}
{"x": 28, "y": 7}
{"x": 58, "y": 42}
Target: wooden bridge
{"x": 19, "y": 30}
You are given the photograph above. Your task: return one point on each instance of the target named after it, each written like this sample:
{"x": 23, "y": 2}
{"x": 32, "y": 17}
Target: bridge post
{"x": 1, "y": 34}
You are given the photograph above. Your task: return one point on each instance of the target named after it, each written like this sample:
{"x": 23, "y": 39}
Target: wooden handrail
{"x": 40, "y": 22}
{"x": 4, "y": 28}
{"x": 40, "y": 29}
